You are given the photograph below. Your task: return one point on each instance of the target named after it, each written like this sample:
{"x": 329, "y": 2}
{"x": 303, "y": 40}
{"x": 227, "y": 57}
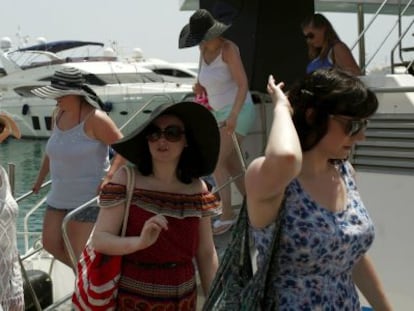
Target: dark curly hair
{"x": 189, "y": 165}
{"x": 327, "y": 92}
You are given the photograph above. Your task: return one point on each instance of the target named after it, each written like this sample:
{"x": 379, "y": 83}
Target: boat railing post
{"x": 65, "y": 235}
{"x": 241, "y": 159}
{"x": 31, "y": 289}
{"x": 26, "y": 222}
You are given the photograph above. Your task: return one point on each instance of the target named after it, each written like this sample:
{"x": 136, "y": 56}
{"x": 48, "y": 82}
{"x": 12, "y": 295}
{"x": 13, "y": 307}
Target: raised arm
{"x": 43, "y": 172}
{"x": 267, "y": 176}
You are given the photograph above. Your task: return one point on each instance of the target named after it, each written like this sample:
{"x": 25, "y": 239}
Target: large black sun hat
{"x": 202, "y": 27}
{"x": 68, "y": 81}
{"x": 198, "y": 121}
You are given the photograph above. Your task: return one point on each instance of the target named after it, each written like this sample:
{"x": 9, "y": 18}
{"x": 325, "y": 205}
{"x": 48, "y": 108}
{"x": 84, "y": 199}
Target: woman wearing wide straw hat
{"x": 77, "y": 158}
{"x": 222, "y": 76}
{"x": 169, "y": 226}
{"x": 11, "y": 284}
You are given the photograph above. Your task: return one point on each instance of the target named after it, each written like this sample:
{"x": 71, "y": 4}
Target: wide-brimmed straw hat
{"x": 202, "y": 27}
{"x": 199, "y": 124}
{"x": 68, "y": 81}
{"x": 8, "y": 127}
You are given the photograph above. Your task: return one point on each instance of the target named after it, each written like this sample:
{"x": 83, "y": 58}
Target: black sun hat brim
{"x": 198, "y": 121}
{"x": 188, "y": 39}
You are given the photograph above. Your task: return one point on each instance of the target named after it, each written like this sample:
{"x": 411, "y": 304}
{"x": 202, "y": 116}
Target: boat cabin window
{"x": 173, "y": 73}
{"x": 120, "y": 78}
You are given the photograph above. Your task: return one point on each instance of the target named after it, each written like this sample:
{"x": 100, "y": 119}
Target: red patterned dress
{"x": 162, "y": 276}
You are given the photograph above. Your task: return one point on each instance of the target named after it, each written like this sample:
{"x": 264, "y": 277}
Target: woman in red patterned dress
{"x": 168, "y": 234}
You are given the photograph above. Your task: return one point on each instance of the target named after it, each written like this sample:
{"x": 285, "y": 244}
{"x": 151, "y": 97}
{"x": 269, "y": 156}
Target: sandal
{"x": 222, "y": 226}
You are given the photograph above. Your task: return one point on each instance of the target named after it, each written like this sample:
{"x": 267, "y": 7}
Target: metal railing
{"x": 360, "y": 40}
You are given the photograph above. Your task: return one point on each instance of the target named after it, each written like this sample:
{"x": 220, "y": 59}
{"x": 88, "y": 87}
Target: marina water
{"x": 27, "y": 155}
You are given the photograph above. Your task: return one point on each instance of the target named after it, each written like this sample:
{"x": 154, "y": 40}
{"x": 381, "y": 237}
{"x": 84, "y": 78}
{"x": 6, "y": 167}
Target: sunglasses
{"x": 351, "y": 126}
{"x": 309, "y": 36}
{"x": 171, "y": 133}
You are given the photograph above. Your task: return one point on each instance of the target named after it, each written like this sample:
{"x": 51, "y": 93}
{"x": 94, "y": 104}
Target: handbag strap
{"x": 274, "y": 246}
{"x": 130, "y": 186}
{"x": 269, "y": 268}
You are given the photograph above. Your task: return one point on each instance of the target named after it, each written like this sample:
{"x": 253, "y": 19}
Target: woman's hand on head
{"x": 152, "y": 229}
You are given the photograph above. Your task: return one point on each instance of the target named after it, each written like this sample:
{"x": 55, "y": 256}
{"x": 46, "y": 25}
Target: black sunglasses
{"x": 309, "y": 35}
{"x": 171, "y": 133}
{"x": 351, "y": 126}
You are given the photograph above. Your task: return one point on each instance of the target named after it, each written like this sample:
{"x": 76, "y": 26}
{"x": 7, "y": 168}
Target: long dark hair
{"x": 325, "y": 92}
{"x": 189, "y": 164}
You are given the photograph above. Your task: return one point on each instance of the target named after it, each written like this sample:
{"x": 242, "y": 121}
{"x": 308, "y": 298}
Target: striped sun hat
{"x": 68, "y": 81}
{"x": 202, "y": 27}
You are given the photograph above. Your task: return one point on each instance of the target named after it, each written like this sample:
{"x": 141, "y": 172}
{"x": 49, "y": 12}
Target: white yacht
{"x": 124, "y": 86}
{"x": 169, "y": 71}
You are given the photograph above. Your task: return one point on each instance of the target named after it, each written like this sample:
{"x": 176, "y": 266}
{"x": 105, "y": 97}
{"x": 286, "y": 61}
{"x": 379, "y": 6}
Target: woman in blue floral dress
{"x": 326, "y": 230}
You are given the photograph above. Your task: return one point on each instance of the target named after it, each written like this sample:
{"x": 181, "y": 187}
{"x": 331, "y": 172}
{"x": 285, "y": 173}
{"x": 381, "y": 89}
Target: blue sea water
{"x": 26, "y": 155}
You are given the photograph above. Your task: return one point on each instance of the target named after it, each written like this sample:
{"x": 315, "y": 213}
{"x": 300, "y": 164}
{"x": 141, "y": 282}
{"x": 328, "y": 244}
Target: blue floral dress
{"x": 318, "y": 249}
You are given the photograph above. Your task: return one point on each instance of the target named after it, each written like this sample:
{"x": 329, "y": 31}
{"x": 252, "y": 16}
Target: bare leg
{"x": 78, "y": 233}
{"x": 235, "y": 168}
{"x": 228, "y": 166}
{"x": 52, "y": 235}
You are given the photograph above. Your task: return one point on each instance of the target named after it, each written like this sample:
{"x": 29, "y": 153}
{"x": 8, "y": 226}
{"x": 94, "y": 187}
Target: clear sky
{"x": 152, "y": 25}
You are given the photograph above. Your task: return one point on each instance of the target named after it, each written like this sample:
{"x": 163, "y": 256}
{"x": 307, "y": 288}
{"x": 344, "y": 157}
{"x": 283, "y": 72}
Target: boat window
{"x": 132, "y": 77}
{"x": 48, "y": 122}
{"x": 35, "y": 122}
{"x": 173, "y": 73}
{"x": 389, "y": 145}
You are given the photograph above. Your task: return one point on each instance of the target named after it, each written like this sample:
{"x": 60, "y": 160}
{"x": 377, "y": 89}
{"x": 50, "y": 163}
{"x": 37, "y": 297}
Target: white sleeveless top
{"x": 11, "y": 284}
{"x": 219, "y": 83}
{"x": 77, "y": 165}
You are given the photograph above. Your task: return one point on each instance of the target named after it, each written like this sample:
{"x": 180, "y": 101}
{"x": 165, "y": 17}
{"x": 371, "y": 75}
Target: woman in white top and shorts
{"x": 223, "y": 78}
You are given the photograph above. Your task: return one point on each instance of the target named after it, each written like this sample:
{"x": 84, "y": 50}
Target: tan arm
{"x": 368, "y": 282}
